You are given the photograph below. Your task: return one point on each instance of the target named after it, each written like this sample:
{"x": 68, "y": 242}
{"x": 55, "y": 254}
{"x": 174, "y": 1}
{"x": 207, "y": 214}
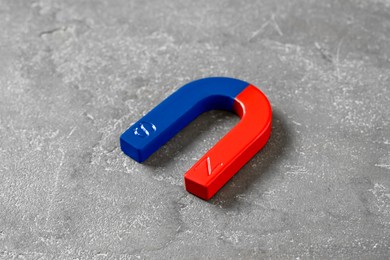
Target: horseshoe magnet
{"x": 231, "y": 153}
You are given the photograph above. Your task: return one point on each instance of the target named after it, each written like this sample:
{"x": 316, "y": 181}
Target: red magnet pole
{"x": 236, "y": 148}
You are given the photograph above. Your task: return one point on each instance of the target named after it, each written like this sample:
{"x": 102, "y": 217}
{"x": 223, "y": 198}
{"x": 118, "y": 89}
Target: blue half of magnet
{"x": 174, "y": 113}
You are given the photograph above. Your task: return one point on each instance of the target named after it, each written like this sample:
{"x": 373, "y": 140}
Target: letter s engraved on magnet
{"x": 144, "y": 129}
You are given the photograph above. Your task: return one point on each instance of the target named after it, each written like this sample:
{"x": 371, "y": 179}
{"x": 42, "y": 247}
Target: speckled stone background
{"x": 75, "y": 74}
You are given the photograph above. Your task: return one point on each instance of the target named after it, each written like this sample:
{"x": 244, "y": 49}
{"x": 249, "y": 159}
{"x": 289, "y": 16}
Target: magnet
{"x": 232, "y": 152}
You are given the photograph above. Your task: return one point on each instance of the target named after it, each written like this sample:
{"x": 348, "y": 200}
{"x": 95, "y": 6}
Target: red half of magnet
{"x": 236, "y": 148}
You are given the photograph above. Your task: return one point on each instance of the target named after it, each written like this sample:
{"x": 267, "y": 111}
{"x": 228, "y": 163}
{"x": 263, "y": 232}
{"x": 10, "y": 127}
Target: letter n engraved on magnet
{"x": 144, "y": 129}
{"x": 206, "y": 163}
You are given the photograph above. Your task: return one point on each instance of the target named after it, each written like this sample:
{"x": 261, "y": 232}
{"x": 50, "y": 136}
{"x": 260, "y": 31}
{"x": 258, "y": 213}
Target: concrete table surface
{"x": 75, "y": 74}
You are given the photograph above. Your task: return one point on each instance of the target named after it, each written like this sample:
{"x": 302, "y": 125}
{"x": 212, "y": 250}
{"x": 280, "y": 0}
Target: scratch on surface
{"x": 338, "y": 58}
{"x": 324, "y": 52}
{"x": 71, "y": 132}
{"x": 55, "y": 188}
{"x": 255, "y": 33}
{"x": 296, "y": 123}
{"x": 276, "y": 26}
{"x": 271, "y": 21}
{"x": 52, "y": 31}
{"x": 90, "y": 116}
{"x": 386, "y": 166}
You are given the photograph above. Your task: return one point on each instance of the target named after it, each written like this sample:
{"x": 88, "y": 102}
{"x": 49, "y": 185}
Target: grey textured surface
{"x": 75, "y": 74}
